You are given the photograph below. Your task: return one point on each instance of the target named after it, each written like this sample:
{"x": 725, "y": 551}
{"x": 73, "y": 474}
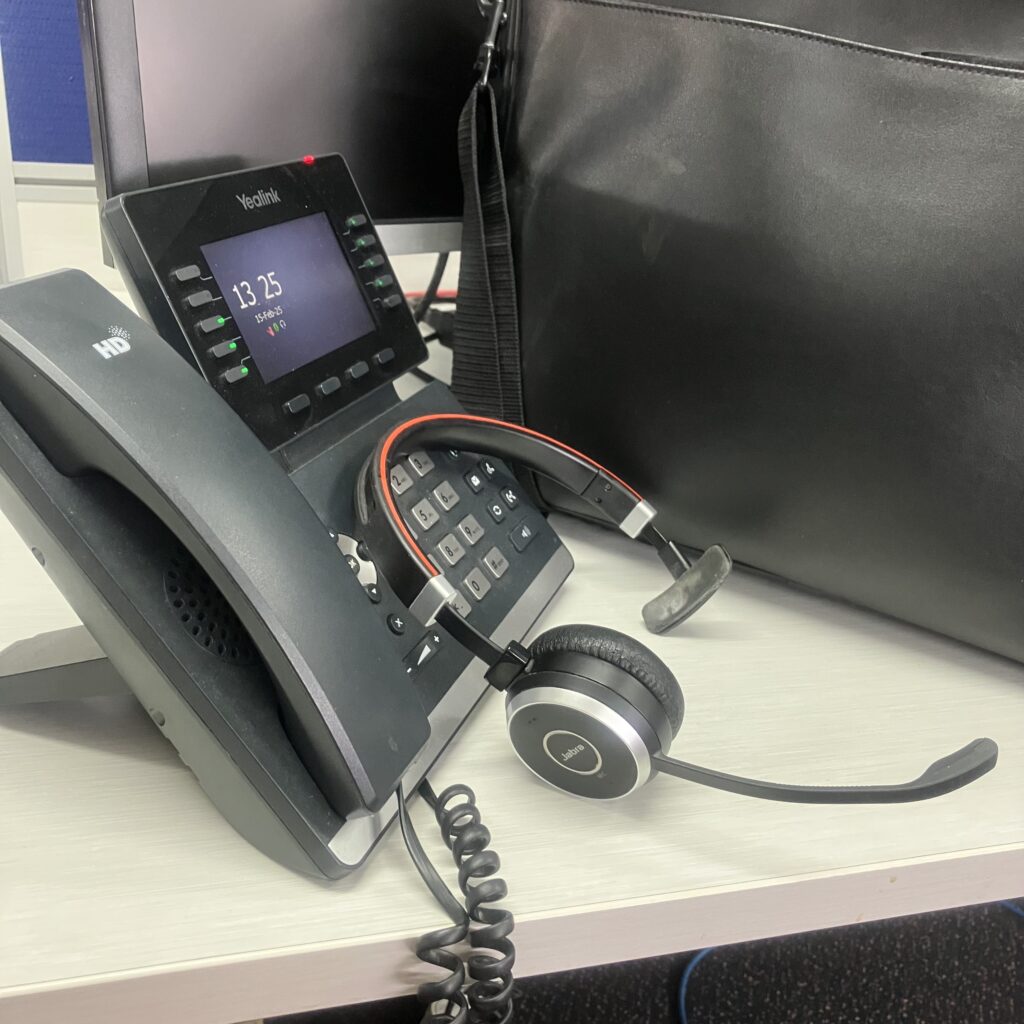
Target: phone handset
{"x": 137, "y": 412}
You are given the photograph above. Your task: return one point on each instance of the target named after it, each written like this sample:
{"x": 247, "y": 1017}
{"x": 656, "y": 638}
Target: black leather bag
{"x": 773, "y": 274}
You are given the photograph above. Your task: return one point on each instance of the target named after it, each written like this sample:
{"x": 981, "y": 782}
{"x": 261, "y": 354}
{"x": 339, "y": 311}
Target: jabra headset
{"x": 590, "y": 710}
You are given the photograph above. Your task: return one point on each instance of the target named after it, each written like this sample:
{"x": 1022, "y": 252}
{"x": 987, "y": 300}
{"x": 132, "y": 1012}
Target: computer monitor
{"x": 194, "y": 87}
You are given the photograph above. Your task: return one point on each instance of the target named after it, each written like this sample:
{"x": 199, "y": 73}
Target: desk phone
{"x": 188, "y": 484}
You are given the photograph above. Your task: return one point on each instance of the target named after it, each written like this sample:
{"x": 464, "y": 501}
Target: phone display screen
{"x": 291, "y": 292}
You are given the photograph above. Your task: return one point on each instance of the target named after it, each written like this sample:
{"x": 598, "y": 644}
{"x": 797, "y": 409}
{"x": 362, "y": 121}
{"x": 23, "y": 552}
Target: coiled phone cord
{"x": 488, "y": 999}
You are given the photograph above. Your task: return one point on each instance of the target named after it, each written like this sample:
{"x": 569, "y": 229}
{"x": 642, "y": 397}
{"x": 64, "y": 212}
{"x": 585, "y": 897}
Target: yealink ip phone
{"x": 296, "y": 573}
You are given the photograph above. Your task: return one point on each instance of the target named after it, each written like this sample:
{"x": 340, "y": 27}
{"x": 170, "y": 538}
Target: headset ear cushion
{"x": 622, "y": 651}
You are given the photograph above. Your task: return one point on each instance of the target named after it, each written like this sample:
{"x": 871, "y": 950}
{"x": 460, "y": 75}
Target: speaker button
{"x": 522, "y": 536}
{"x": 572, "y": 752}
{"x": 475, "y": 481}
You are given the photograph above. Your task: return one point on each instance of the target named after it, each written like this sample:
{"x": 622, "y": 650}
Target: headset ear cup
{"x": 622, "y": 651}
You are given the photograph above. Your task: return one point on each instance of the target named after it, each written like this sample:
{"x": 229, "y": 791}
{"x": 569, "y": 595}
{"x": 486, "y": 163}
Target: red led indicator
{"x": 309, "y": 159}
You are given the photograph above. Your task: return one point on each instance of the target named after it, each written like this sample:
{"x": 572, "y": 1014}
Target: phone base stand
{"x": 66, "y": 664}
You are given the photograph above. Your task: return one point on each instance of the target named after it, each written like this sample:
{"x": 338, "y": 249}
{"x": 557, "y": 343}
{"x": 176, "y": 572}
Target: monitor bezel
{"x": 113, "y": 85}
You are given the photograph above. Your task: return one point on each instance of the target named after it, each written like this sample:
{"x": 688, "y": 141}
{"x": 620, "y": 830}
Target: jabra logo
{"x": 115, "y": 345}
{"x": 568, "y": 755}
{"x": 265, "y": 197}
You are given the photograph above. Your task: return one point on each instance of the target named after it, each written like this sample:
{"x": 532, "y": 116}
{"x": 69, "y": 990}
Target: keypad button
{"x": 475, "y": 481}
{"x": 477, "y": 584}
{"x": 328, "y": 387}
{"x": 365, "y": 241}
{"x": 235, "y": 374}
{"x": 384, "y": 356}
{"x": 522, "y": 536}
{"x": 400, "y": 480}
{"x": 461, "y": 605}
{"x": 372, "y": 592}
{"x": 300, "y": 403}
{"x": 453, "y": 454}
{"x": 451, "y": 550}
{"x": 357, "y": 370}
{"x": 471, "y": 529}
{"x": 421, "y": 462}
{"x": 353, "y": 564}
{"x": 497, "y": 510}
{"x": 446, "y": 495}
{"x": 396, "y": 623}
{"x": 198, "y": 299}
{"x": 488, "y": 467}
{"x": 392, "y": 301}
{"x": 496, "y": 562}
{"x": 357, "y": 220}
{"x": 383, "y": 281}
{"x": 372, "y": 262}
{"x": 185, "y": 274}
{"x": 425, "y": 513}
{"x": 510, "y": 497}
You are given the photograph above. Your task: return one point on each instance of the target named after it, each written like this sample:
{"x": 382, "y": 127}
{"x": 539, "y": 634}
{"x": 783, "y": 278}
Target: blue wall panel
{"x": 45, "y": 90}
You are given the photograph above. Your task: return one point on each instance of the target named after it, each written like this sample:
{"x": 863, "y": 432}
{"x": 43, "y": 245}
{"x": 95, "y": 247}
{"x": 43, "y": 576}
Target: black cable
{"x": 491, "y": 989}
{"x": 430, "y": 295}
{"x": 431, "y": 947}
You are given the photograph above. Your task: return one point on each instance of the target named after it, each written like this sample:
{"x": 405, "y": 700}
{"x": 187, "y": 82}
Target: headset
{"x": 589, "y": 710}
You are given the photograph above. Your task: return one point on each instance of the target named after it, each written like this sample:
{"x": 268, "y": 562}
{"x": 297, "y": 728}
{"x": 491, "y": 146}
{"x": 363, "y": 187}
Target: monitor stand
{"x": 65, "y": 664}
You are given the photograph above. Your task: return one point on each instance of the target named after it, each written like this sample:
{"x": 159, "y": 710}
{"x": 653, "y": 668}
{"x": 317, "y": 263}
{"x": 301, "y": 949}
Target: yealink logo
{"x": 115, "y": 345}
{"x": 265, "y": 197}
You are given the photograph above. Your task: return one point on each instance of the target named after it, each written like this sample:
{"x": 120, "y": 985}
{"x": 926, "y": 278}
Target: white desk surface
{"x": 125, "y": 897}
{"x": 123, "y": 894}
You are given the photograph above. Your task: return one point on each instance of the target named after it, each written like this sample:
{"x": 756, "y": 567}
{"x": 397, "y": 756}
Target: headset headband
{"x": 427, "y": 590}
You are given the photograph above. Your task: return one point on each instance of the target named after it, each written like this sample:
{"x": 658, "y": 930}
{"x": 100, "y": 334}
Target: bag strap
{"x": 486, "y": 369}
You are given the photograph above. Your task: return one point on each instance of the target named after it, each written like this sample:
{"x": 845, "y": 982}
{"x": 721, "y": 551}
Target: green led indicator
{"x": 233, "y": 345}
{"x": 221, "y": 321}
{"x": 245, "y": 371}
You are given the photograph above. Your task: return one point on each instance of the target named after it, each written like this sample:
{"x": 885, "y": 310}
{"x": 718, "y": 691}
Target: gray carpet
{"x": 955, "y": 967}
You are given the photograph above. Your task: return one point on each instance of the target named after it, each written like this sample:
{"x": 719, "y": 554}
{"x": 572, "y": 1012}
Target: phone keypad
{"x": 473, "y": 525}
{"x": 471, "y": 529}
{"x": 447, "y": 496}
{"x": 421, "y": 462}
{"x": 451, "y": 550}
{"x": 425, "y": 514}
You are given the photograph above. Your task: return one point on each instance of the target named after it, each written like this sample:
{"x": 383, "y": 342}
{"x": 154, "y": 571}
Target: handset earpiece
{"x": 595, "y": 711}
